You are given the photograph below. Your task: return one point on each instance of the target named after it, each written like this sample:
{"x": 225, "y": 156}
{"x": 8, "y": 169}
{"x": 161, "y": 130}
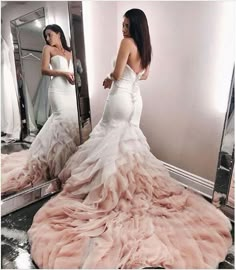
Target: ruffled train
{"x": 52, "y": 147}
{"x": 119, "y": 208}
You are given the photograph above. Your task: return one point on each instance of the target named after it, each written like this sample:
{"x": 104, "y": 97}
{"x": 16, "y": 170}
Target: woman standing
{"x": 59, "y": 137}
{"x": 119, "y": 208}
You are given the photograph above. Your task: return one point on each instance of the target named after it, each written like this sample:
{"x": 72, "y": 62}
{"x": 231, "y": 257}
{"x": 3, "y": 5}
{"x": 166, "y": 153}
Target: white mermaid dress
{"x": 54, "y": 144}
{"x": 119, "y": 208}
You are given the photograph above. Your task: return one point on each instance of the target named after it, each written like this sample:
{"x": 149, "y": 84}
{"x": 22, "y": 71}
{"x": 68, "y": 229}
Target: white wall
{"x": 186, "y": 94}
{"x": 100, "y": 45}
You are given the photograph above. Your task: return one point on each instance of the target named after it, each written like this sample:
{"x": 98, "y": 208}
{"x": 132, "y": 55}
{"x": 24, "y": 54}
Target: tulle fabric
{"x": 120, "y": 208}
{"x": 52, "y": 147}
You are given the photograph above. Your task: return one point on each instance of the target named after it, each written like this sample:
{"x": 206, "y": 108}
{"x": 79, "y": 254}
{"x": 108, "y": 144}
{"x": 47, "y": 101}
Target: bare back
{"x": 134, "y": 59}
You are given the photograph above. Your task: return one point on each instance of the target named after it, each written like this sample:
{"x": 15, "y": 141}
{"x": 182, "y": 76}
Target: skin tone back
{"x": 55, "y": 48}
{"x": 128, "y": 54}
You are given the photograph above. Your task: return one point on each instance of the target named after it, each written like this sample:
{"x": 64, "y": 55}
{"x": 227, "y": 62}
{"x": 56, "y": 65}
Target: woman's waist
{"x": 127, "y": 90}
{"x": 61, "y": 84}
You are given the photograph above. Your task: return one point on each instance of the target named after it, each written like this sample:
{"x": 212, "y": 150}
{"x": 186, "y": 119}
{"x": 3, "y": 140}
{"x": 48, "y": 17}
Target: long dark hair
{"x": 139, "y": 31}
{"x": 57, "y": 29}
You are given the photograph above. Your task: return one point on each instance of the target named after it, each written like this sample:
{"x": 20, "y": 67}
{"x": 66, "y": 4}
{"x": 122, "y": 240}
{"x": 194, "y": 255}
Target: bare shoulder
{"x": 47, "y": 48}
{"x": 127, "y": 42}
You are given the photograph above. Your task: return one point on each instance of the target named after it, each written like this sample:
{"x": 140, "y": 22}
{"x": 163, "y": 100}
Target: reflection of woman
{"x": 58, "y": 54}
{"x": 58, "y": 138}
{"x": 119, "y": 207}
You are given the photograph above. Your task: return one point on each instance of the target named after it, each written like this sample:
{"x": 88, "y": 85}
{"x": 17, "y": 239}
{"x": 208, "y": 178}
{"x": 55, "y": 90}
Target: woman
{"x": 119, "y": 208}
{"x": 59, "y": 137}
{"x": 61, "y": 91}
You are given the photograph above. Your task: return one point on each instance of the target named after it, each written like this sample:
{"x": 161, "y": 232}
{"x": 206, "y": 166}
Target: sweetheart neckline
{"x": 68, "y": 61}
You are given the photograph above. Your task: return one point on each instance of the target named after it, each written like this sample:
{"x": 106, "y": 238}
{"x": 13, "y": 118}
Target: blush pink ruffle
{"x": 52, "y": 147}
{"x": 119, "y": 208}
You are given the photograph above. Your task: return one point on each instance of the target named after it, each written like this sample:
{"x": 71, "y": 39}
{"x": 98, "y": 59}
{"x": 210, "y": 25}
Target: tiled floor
{"x": 15, "y": 247}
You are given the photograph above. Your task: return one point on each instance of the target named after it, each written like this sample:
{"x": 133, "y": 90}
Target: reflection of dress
{"x": 10, "y": 113}
{"x": 119, "y": 207}
{"x": 54, "y": 144}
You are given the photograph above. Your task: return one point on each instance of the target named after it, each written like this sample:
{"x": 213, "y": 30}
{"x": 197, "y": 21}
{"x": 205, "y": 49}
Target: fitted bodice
{"x": 124, "y": 102}
{"x": 128, "y": 82}
{"x": 59, "y": 62}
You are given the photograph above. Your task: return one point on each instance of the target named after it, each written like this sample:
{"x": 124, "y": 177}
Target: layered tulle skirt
{"x": 119, "y": 208}
{"x": 56, "y": 142}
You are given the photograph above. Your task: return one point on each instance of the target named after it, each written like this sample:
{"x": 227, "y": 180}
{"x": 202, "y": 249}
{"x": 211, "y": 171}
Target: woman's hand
{"x": 107, "y": 83}
{"x": 70, "y": 77}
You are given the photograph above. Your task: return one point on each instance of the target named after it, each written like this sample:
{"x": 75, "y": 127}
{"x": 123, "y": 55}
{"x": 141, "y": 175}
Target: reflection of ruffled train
{"x": 119, "y": 208}
{"x": 55, "y": 143}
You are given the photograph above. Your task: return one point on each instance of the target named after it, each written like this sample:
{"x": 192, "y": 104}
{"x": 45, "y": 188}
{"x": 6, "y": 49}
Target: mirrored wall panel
{"x": 49, "y": 118}
{"x": 78, "y": 46}
{"x": 224, "y": 185}
{"x": 28, "y": 45}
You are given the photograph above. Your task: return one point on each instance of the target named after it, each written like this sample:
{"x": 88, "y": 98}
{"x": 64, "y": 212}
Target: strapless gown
{"x": 119, "y": 208}
{"x": 54, "y": 144}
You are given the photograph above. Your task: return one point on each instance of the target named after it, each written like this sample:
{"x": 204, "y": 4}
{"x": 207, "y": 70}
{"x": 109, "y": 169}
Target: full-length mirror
{"x": 78, "y": 45}
{"x": 45, "y": 92}
{"x": 28, "y": 45}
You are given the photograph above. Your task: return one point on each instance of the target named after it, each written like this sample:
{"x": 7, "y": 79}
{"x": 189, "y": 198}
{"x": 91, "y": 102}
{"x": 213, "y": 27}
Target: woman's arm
{"x": 122, "y": 58}
{"x": 145, "y": 74}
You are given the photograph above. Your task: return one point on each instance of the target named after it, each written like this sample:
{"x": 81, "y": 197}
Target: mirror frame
{"x": 225, "y": 166}
{"x": 73, "y": 47}
{"x": 31, "y": 195}
{"x": 13, "y": 23}
{"x": 74, "y": 66}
